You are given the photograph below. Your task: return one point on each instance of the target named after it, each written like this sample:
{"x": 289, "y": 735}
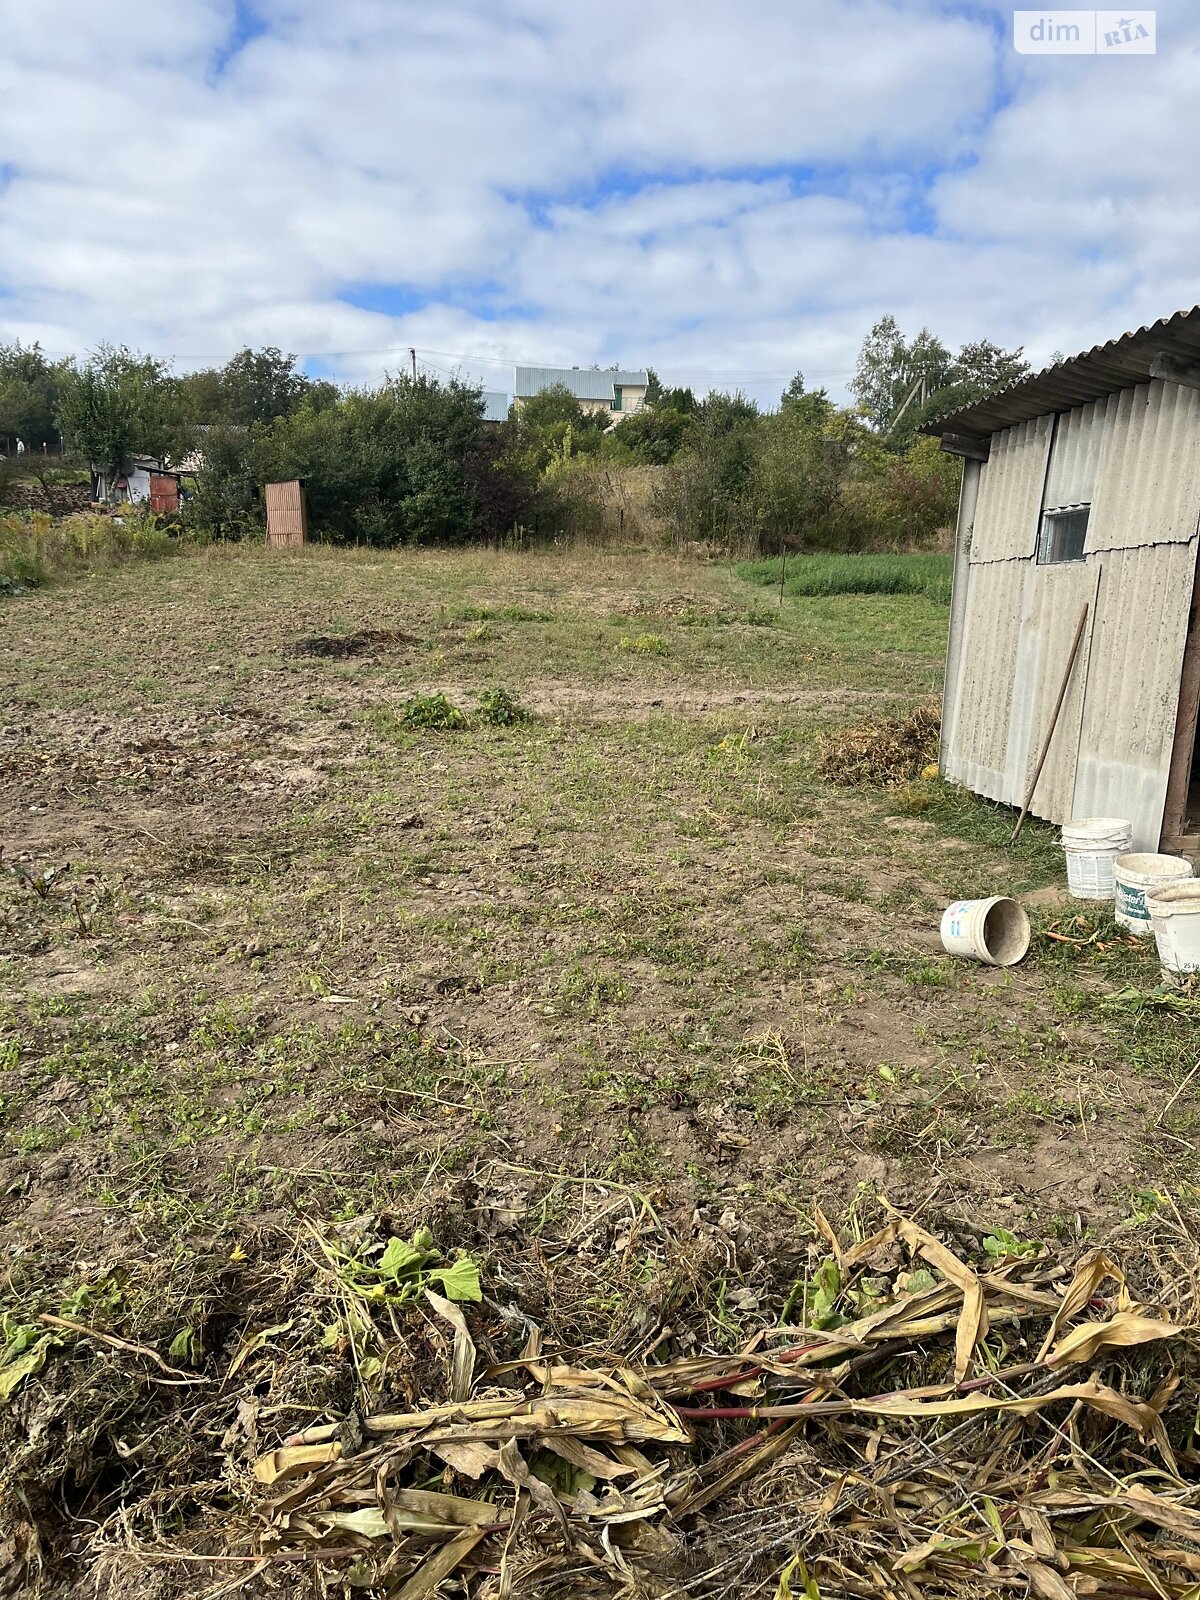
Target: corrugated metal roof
{"x": 1122, "y": 363}
{"x": 495, "y": 405}
{"x": 585, "y": 383}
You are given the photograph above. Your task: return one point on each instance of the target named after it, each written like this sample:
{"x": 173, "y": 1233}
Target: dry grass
{"x": 37, "y": 548}
{"x": 880, "y": 752}
{"x": 930, "y": 1406}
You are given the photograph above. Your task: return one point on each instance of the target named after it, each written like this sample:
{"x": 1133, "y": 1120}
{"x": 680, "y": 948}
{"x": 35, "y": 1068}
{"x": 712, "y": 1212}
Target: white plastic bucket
{"x": 1175, "y": 916}
{"x": 1137, "y": 875}
{"x": 1091, "y": 846}
{"x": 995, "y": 931}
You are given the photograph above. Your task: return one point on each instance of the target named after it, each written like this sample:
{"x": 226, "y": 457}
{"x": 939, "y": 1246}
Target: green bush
{"x": 808, "y": 477}
{"x": 224, "y": 499}
{"x": 408, "y": 463}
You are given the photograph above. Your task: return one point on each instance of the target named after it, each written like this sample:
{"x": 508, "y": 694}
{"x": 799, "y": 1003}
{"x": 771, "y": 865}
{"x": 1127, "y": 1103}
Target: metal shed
{"x": 1081, "y": 485}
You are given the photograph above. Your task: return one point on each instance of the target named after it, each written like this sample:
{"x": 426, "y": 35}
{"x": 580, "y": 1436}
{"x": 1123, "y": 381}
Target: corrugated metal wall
{"x": 1079, "y": 438}
{"x": 1133, "y": 684}
{"x": 1010, "y": 494}
{"x": 1112, "y": 749}
{"x": 1148, "y": 490}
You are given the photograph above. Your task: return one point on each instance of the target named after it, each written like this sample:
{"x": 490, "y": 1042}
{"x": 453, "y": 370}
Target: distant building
{"x": 605, "y": 389}
{"x": 495, "y": 405}
{"x": 142, "y": 480}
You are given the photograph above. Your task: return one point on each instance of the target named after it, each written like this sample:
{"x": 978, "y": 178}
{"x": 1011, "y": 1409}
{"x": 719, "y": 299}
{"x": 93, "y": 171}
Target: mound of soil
{"x": 338, "y": 647}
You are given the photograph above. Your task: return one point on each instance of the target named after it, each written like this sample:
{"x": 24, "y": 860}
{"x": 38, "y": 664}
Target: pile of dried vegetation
{"x": 578, "y": 1399}
{"x": 882, "y": 751}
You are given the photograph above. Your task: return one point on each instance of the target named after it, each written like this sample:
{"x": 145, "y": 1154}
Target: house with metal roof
{"x": 1073, "y": 622}
{"x": 598, "y": 389}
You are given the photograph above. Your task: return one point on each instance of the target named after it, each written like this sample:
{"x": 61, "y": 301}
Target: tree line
{"x": 412, "y": 461}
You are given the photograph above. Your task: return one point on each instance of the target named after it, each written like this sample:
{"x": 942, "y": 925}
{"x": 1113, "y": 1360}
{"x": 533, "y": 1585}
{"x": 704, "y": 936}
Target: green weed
{"x": 645, "y": 644}
{"x": 431, "y": 712}
{"x": 499, "y": 709}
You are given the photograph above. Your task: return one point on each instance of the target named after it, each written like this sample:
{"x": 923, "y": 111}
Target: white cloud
{"x": 717, "y": 189}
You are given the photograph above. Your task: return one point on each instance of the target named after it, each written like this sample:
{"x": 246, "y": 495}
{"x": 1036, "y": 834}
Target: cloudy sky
{"x": 728, "y": 190}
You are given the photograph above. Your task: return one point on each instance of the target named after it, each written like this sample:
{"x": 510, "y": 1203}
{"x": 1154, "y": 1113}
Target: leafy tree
{"x": 705, "y": 492}
{"x": 224, "y": 494}
{"x": 552, "y": 425}
{"x": 805, "y": 460}
{"x": 653, "y": 435}
{"x": 720, "y": 413}
{"x": 253, "y": 387}
{"x": 679, "y": 400}
{"x": 654, "y": 388}
{"x": 986, "y": 367}
{"x": 118, "y": 403}
{"x": 29, "y": 389}
{"x": 812, "y": 404}
{"x": 794, "y": 391}
{"x": 396, "y": 465}
{"x": 891, "y": 367}
{"x": 901, "y": 384}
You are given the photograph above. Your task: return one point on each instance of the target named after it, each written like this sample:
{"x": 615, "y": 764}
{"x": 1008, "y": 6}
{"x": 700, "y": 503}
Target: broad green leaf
{"x": 402, "y": 1260}
{"x": 460, "y": 1280}
{"x": 13, "y": 1373}
{"x": 920, "y": 1281}
{"x": 808, "y": 1585}
{"x": 185, "y": 1347}
{"x": 826, "y": 1286}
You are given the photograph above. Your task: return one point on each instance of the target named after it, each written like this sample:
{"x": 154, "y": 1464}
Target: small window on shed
{"x": 1063, "y": 534}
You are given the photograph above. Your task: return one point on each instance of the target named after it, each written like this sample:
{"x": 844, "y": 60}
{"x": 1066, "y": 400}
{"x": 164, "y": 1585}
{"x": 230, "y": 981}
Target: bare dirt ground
{"x": 271, "y": 960}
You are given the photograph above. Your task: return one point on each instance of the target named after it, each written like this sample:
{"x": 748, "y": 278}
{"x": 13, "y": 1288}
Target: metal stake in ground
{"x": 1058, "y": 705}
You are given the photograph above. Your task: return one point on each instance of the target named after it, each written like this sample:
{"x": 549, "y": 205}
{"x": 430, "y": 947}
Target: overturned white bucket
{"x": 1091, "y": 846}
{"x": 1135, "y": 877}
{"x": 1175, "y": 917}
{"x": 995, "y": 931}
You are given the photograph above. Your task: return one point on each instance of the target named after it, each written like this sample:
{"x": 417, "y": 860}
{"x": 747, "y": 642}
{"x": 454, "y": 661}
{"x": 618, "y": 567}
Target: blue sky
{"x": 727, "y": 191}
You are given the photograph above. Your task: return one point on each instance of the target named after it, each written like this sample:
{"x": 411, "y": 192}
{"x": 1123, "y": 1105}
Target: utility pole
{"x": 413, "y": 353}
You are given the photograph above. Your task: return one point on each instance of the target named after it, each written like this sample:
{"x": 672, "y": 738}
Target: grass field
{"x": 927, "y": 574}
{"x": 614, "y": 973}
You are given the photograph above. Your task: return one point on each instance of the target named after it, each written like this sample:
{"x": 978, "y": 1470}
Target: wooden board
{"x": 287, "y": 513}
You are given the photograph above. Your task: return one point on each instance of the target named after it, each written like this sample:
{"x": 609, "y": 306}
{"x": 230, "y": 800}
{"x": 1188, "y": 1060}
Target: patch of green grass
{"x": 645, "y": 644}
{"x": 499, "y": 614}
{"x": 1037, "y": 856}
{"x": 925, "y": 574}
